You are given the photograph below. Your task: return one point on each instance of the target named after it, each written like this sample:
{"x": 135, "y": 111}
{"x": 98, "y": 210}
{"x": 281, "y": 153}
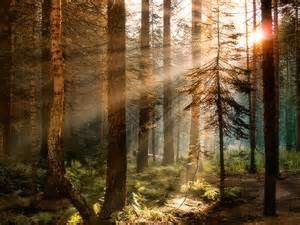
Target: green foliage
{"x": 16, "y": 176}
{"x": 88, "y": 180}
{"x": 75, "y": 219}
{"x": 137, "y": 211}
{"x": 201, "y": 189}
{"x": 207, "y": 192}
{"x": 43, "y": 218}
{"x": 289, "y": 160}
{"x": 17, "y": 219}
{"x": 232, "y": 193}
{"x": 156, "y": 183}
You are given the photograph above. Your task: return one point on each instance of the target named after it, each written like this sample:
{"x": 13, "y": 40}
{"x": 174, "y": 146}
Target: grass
{"x": 147, "y": 192}
{"x": 237, "y": 162}
{"x": 200, "y": 189}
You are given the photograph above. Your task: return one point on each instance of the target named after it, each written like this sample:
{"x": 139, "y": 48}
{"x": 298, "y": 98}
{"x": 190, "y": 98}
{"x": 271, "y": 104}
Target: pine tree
{"x": 194, "y": 147}
{"x": 253, "y": 97}
{"x": 270, "y": 116}
{"x": 216, "y": 84}
{"x": 115, "y": 194}
{"x": 168, "y": 156}
{"x": 55, "y": 130}
{"x": 145, "y": 102}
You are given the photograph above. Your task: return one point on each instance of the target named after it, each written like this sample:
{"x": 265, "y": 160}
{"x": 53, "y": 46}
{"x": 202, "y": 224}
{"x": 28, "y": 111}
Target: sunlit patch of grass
{"x": 207, "y": 192}
{"x": 201, "y": 189}
{"x": 75, "y": 219}
{"x": 136, "y": 211}
{"x": 156, "y": 183}
{"x": 289, "y": 160}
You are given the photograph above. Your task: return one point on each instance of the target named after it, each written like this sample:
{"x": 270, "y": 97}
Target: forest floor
{"x": 160, "y": 196}
{"x": 248, "y": 209}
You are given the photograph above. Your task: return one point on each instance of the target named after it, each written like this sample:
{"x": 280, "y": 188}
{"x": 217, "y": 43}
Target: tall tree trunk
{"x": 277, "y": 84}
{"x": 270, "y": 116}
{"x": 178, "y": 128}
{"x": 220, "y": 112}
{"x": 297, "y": 35}
{"x": 115, "y": 195}
{"x": 154, "y": 144}
{"x": 34, "y": 89}
{"x": 103, "y": 85}
{"x": 46, "y": 94}
{"x": 50, "y": 190}
{"x": 288, "y": 135}
{"x": 249, "y": 77}
{"x": 6, "y": 30}
{"x": 145, "y": 104}
{"x": 194, "y": 146}
{"x": 55, "y": 131}
{"x": 253, "y": 101}
{"x": 168, "y": 155}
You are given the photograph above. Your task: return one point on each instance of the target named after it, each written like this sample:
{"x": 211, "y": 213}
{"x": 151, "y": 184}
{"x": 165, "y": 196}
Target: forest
{"x": 149, "y": 112}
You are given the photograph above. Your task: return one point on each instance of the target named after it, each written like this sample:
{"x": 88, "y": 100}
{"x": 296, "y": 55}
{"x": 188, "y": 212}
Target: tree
{"x": 115, "y": 194}
{"x": 56, "y": 119}
{"x": 45, "y": 76}
{"x": 168, "y": 155}
{"x": 6, "y": 30}
{"x": 277, "y": 80}
{"x": 297, "y": 41}
{"x": 34, "y": 89}
{"x": 145, "y": 103}
{"x": 253, "y": 96}
{"x": 270, "y": 117}
{"x": 195, "y": 109}
{"x": 215, "y": 85}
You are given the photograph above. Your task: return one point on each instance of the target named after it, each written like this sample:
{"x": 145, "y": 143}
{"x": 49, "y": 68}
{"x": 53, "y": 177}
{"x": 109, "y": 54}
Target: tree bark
{"x": 270, "y": 117}
{"x": 288, "y": 134}
{"x": 253, "y": 99}
{"x": 277, "y": 84}
{"x": 168, "y": 155}
{"x": 194, "y": 146}
{"x": 46, "y": 94}
{"x": 115, "y": 195}
{"x": 6, "y": 47}
{"x": 220, "y": 112}
{"x": 34, "y": 90}
{"x": 55, "y": 131}
{"x": 297, "y": 35}
{"x": 145, "y": 104}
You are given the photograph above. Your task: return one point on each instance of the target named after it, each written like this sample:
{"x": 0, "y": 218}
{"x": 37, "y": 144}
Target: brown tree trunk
{"x": 46, "y": 94}
{"x": 297, "y": 35}
{"x": 253, "y": 94}
{"x": 145, "y": 104}
{"x": 50, "y": 189}
{"x": 34, "y": 87}
{"x": 194, "y": 146}
{"x": 6, "y": 30}
{"x": 270, "y": 117}
{"x": 168, "y": 155}
{"x": 55, "y": 131}
{"x": 153, "y": 136}
{"x": 103, "y": 85}
{"x": 115, "y": 195}
{"x": 220, "y": 113}
{"x": 277, "y": 84}
{"x": 221, "y": 141}
{"x": 288, "y": 135}
{"x": 178, "y": 128}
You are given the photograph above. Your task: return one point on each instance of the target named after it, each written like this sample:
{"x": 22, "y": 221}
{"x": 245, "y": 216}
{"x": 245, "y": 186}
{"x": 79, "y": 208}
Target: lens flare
{"x": 256, "y": 37}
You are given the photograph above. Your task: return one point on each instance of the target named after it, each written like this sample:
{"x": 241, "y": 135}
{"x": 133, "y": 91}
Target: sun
{"x": 256, "y": 37}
